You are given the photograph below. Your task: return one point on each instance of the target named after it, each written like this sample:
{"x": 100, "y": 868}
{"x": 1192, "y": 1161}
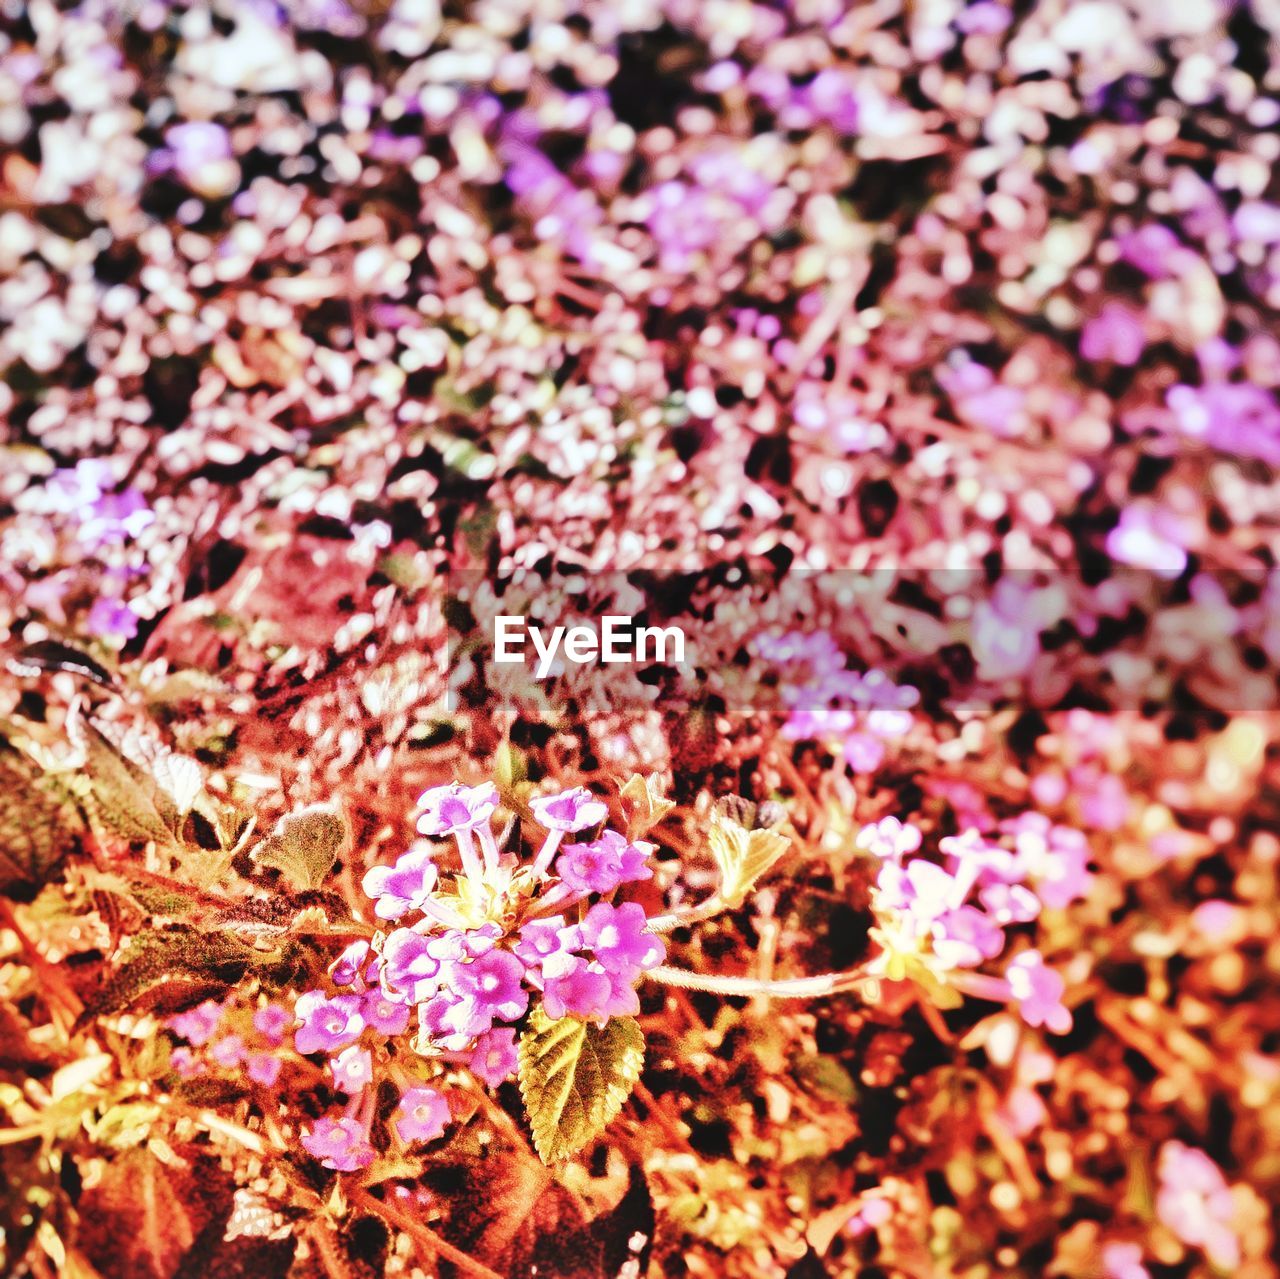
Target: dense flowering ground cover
{"x": 919, "y": 360}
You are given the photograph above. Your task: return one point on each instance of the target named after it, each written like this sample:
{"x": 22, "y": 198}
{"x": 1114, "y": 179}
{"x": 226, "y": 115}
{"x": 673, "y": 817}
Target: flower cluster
{"x": 928, "y": 926}
{"x": 469, "y": 952}
{"x": 221, "y": 1035}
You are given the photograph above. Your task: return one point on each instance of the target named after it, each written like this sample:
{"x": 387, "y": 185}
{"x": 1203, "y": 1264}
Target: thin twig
{"x": 422, "y": 1235}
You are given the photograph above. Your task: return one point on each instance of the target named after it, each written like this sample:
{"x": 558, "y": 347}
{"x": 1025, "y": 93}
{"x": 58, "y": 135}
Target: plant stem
{"x": 422, "y": 1235}
{"x": 784, "y": 988}
{"x": 690, "y": 915}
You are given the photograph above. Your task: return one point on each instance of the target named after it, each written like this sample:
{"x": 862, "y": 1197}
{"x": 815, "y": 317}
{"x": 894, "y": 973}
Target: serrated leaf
{"x": 742, "y": 855}
{"x": 37, "y": 826}
{"x": 642, "y": 805}
{"x": 121, "y": 795}
{"x": 575, "y": 1077}
{"x": 169, "y": 969}
{"x": 304, "y": 845}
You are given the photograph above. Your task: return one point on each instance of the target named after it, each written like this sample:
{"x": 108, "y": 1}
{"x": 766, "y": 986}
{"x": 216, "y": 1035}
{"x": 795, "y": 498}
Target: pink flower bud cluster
{"x": 220, "y": 1036}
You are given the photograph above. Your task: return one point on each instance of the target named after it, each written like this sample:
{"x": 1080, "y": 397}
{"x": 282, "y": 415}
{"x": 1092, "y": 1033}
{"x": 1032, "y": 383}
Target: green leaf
{"x": 642, "y": 805}
{"x": 742, "y": 855}
{"x": 304, "y": 845}
{"x": 574, "y": 1077}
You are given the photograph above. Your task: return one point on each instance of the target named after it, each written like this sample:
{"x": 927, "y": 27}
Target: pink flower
{"x": 964, "y": 937}
{"x": 873, "y": 1212}
{"x": 197, "y": 1025}
{"x": 540, "y": 939}
{"x": 603, "y": 864}
{"x": 572, "y": 985}
{"x": 186, "y": 1063}
{"x": 352, "y": 1069}
{"x": 570, "y": 811}
{"x": 326, "y": 1024}
{"x": 342, "y": 1144}
{"x": 422, "y": 1115}
{"x": 387, "y": 1016}
{"x": 407, "y": 961}
{"x": 406, "y": 885}
{"x": 1148, "y": 538}
{"x": 347, "y": 969}
{"x": 492, "y": 983}
{"x": 1123, "y": 1261}
{"x": 1115, "y": 334}
{"x": 1037, "y": 990}
{"x": 228, "y": 1051}
{"x": 495, "y": 1058}
{"x": 271, "y": 1023}
{"x": 263, "y": 1068}
{"x": 1054, "y": 858}
{"x": 619, "y": 938}
{"x": 863, "y": 753}
{"x": 112, "y": 619}
{"x": 1195, "y": 1202}
{"x": 889, "y": 838}
{"x": 448, "y": 809}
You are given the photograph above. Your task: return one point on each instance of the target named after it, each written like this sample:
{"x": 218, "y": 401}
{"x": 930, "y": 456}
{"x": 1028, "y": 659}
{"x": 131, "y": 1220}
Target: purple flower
{"x": 385, "y": 1015}
{"x": 352, "y": 1069}
{"x": 73, "y": 490}
{"x": 862, "y": 752}
{"x": 197, "y": 1025}
{"x": 347, "y": 969}
{"x": 342, "y": 1144}
{"x": 228, "y": 1051}
{"x": 404, "y": 886}
{"x": 570, "y": 811}
{"x": 920, "y": 889}
{"x": 1055, "y": 858}
{"x": 407, "y": 962}
{"x": 422, "y": 1115}
{"x": 493, "y": 983}
{"x": 271, "y": 1023}
{"x": 571, "y": 985}
{"x": 603, "y": 864}
{"x": 114, "y": 518}
{"x": 889, "y": 838}
{"x": 1010, "y": 903}
{"x": 1037, "y": 990}
{"x": 618, "y": 937}
{"x": 540, "y": 939}
{"x": 446, "y": 810}
{"x": 1115, "y": 334}
{"x": 263, "y": 1068}
{"x": 495, "y": 1058}
{"x": 196, "y": 143}
{"x": 326, "y": 1024}
{"x": 186, "y": 1063}
{"x": 111, "y": 619}
{"x": 964, "y": 937}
